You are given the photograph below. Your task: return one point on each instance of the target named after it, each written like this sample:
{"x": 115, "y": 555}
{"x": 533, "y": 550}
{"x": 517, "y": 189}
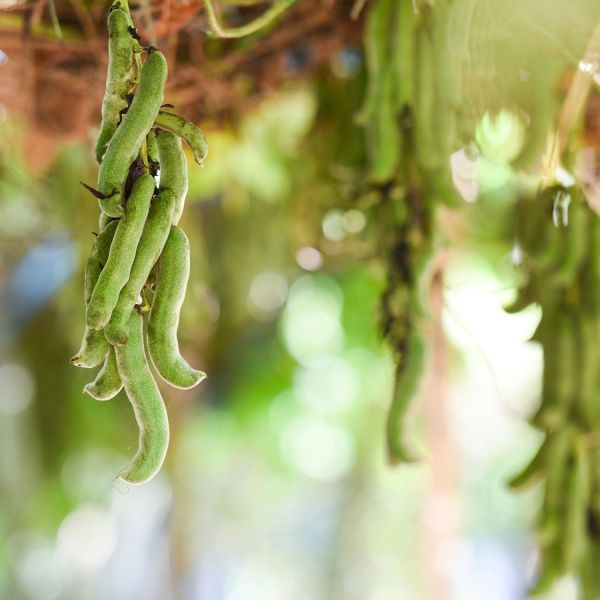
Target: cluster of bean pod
{"x": 139, "y": 263}
{"x": 558, "y": 236}
{"x": 412, "y": 98}
{"x": 409, "y": 120}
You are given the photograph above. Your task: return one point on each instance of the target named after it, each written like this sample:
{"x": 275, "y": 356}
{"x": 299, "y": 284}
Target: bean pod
{"x": 127, "y": 140}
{"x": 148, "y": 406}
{"x": 163, "y": 347}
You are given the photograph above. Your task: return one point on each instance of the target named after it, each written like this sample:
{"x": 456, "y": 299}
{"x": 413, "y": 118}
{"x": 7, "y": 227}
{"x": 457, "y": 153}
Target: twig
{"x": 249, "y": 28}
{"x": 574, "y": 104}
{"x": 55, "y": 21}
{"x": 357, "y": 9}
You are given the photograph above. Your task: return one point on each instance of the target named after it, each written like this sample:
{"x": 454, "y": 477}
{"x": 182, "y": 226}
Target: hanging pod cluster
{"x": 558, "y": 236}
{"x": 140, "y": 260}
{"x": 409, "y": 120}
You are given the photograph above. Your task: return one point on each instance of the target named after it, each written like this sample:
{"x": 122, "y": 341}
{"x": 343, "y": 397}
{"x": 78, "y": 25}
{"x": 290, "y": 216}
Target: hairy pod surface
{"x": 163, "y": 347}
{"x": 94, "y": 345}
{"x": 154, "y": 236}
{"x": 127, "y": 140}
{"x": 148, "y": 407}
{"x": 108, "y": 381}
{"x": 119, "y": 79}
{"x": 191, "y": 133}
{"x": 115, "y": 274}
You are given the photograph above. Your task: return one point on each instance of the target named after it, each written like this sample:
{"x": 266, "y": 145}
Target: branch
{"x": 249, "y": 28}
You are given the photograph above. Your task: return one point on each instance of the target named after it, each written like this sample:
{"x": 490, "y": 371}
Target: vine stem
{"x": 267, "y": 17}
{"x": 574, "y": 104}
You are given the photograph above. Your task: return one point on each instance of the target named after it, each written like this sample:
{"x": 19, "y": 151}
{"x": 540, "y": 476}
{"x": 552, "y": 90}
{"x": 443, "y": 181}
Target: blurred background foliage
{"x": 276, "y": 484}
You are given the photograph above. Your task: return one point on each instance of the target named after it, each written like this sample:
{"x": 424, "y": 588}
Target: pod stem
{"x": 144, "y": 154}
{"x": 267, "y": 17}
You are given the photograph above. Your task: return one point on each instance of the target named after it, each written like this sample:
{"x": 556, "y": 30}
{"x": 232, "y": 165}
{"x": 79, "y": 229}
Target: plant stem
{"x": 236, "y": 32}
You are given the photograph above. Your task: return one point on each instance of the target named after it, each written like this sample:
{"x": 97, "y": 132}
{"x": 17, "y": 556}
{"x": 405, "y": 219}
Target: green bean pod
{"x": 148, "y": 407}
{"x": 534, "y": 471}
{"x": 526, "y": 295}
{"x": 192, "y": 134}
{"x": 425, "y": 105}
{"x": 588, "y": 361}
{"x": 108, "y": 381}
{"x": 154, "y": 236}
{"x": 556, "y": 467}
{"x": 94, "y": 345}
{"x": 127, "y": 140}
{"x": 376, "y": 55}
{"x": 379, "y": 113}
{"x": 550, "y": 570}
{"x": 403, "y": 59}
{"x": 115, "y": 274}
{"x": 104, "y": 220}
{"x": 409, "y": 375}
{"x": 559, "y": 385}
{"x": 578, "y": 499}
{"x": 575, "y": 244}
{"x": 173, "y": 171}
{"x": 119, "y": 79}
{"x": 163, "y": 347}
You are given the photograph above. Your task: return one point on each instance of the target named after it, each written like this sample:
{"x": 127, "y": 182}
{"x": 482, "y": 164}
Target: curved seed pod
{"x": 403, "y": 59}
{"x": 534, "y": 471}
{"x": 125, "y": 143}
{"x": 595, "y": 498}
{"x": 446, "y": 99}
{"x": 590, "y": 574}
{"x": 148, "y": 406}
{"x": 383, "y": 135}
{"x": 155, "y": 233}
{"x": 568, "y": 369}
{"x": 531, "y": 224}
{"x": 575, "y": 244}
{"x": 556, "y": 468}
{"x": 104, "y": 220}
{"x": 119, "y": 79}
{"x": 376, "y": 55}
{"x": 163, "y": 347}
{"x": 578, "y": 499}
{"x": 526, "y": 295}
{"x": 549, "y": 572}
{"x": 122, "y": 253}
{"x": 192, "y": 134}
{"x": 409, "y": 374}
{"x": 573, "y": 247}
{"x": 173, "y": 170}
{"x": 425, "y": 105}
{"x": 380, "y": 107}
{"x": 559, "y": 384}
{"x": 94, "y": 345}
{"x": 108, "y": 381}
{"x": 588, "y": 361}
